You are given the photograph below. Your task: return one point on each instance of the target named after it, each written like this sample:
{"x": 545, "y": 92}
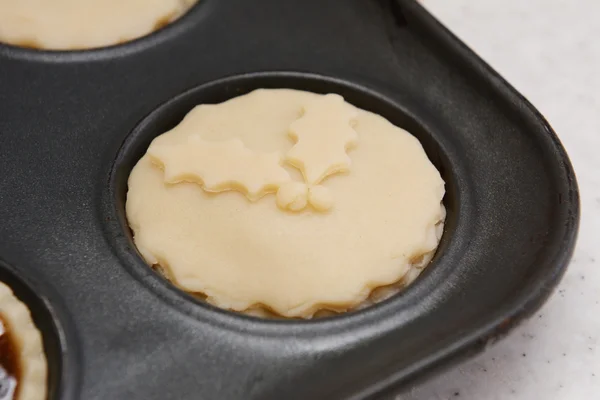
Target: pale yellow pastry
{"x": 83, "y": 24}
{"x": 287, "y": 201}
{"x": 23, "y": 367}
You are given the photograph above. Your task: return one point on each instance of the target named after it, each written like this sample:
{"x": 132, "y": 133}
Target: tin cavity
{"x": 171, "y": 113}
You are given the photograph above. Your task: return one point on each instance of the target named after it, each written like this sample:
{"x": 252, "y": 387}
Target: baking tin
{"x": 72, "y": 125}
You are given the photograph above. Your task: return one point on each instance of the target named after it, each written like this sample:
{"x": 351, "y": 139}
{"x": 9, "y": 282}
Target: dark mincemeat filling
{"x": 9, "y": 364}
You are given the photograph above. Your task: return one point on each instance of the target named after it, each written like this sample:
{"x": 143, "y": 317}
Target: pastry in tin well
{"x": 286, "y": 201}
{"x": 23, "y": 366}
{"x": 83, "y": 24}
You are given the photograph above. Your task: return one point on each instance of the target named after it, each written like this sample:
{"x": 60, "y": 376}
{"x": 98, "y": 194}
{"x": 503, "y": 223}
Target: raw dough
{"x": 370, "y": 224}
{"x": 323, "y": 135}
{"x": 220, "y": 166}
{"x": 33, "y": 368}
{"x": 83, "y": 24}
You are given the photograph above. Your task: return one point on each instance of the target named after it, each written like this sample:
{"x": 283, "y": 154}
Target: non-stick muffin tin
{"x": 73, "y": 124}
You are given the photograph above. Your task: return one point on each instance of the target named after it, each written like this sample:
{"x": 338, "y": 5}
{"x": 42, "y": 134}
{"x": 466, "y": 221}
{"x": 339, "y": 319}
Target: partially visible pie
{"x": 23, "y": 366}
{"x": 84, "y": 24}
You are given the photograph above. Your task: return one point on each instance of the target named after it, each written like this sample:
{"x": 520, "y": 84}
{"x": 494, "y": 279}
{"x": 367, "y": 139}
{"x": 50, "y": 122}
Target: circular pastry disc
{"x": 202, "y": 203}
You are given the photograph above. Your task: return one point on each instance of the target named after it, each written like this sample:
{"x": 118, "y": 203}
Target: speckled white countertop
{"x": 550, "y": 51}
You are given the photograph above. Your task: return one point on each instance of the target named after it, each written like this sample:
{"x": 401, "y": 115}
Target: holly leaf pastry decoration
{"x": 323, "y": 134}
{"x": 220, "y": 166}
